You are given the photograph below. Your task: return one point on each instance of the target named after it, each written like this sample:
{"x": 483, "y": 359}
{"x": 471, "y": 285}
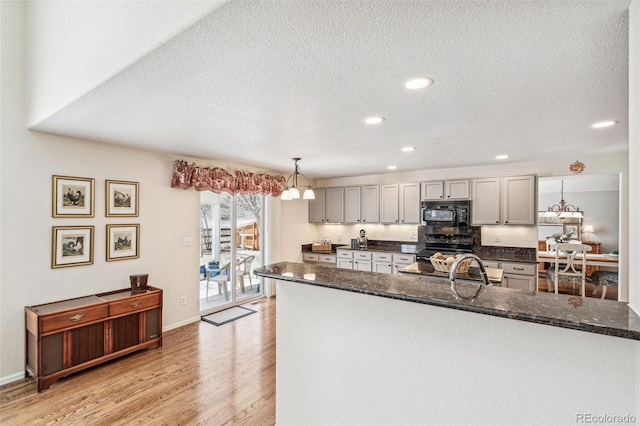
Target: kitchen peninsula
{"x": 392, "y": 349}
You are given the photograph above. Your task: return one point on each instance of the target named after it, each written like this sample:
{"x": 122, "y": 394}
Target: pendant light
{"x": 292, "y": 192}
{"x": 563, "y": 210}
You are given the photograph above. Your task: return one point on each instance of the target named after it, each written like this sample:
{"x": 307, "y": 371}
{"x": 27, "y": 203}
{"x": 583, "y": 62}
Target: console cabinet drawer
{"x": 134, "y": 304}
{"x": 73, "y": 318}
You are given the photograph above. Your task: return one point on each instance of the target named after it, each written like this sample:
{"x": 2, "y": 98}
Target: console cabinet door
{"x": 87, "y": 344}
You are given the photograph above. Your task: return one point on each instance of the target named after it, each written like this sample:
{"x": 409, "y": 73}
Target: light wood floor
{"x": 203, "y": 375}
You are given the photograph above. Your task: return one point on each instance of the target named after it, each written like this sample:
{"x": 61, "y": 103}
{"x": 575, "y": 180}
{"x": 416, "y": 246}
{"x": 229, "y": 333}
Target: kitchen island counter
{"x": 424, "y": 269}
{"x": 573, "y": 312}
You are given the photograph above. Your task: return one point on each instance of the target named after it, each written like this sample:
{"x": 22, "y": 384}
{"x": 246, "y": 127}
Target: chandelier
{"x": 292, "y": 192}
{"x": 563, "y": 210}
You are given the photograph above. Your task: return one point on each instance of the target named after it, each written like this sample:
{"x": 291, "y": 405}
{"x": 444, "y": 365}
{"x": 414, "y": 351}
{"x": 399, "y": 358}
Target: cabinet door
{"x": 125, "y": 332}
{"x": 87, "y": 343}
{"x": 344, "y": 263}
{"x": 519, "y": 200}
{"x": 521, "y": 282}
{"x": 389, "y": 200}
{"x": 370, "y": 211}
{"x": 433, "y": 190}
{"x": 382, "y": 267}
{"x": 363, "y": 265}
{"x": 317, "y": 207}
{"x": 352, "y": 205}
{"x": 153, "y": 324}
{"x": 409, "y": 202}
{"x": 335, "y": 205}
{"x": 457, "y": 189}
{"x": 51, "y": 352}
{"x": 485, "y": 209}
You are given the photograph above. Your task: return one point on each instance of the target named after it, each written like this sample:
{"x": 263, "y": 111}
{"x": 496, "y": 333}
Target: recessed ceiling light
{"x": 408, "y": 148}
{"x": 374, "y": 120}
{"x": 502, "y": 157}
{"x": 392, "y": 167}
{"x": 602, "y": 124}
{"x": 417, "y": 83}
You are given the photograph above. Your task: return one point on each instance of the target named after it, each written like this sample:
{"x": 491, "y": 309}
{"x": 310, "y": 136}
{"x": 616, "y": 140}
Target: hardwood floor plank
{"x": 203, "y": 375}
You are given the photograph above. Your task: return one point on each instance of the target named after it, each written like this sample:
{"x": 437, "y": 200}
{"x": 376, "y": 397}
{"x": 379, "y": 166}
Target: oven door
{"x": 443, "y": 217}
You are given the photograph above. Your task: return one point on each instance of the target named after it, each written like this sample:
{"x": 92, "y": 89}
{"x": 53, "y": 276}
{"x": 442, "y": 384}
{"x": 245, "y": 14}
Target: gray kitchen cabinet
{"x": 503, "y": 201}
{"x": 335, "y": 205}
{"x": 352, "y": 206}
{"x": 344, "y": 259}
{"x": 521, "y": 276}
{"x": 401, "y": 260}
{"x": 362, "y": 204}
{"x": 389, "y": 199}
{"x": 445, "y": 190}
{"x": 382, "y": 262}
{"x": 409, "y": 203}
{"x": 370, "y": 207}
{"x": 317, "y": 207}
{"x": 363, "y": 261}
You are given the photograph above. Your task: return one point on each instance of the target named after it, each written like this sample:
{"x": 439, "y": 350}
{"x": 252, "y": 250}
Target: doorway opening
{"x": 231, "y": 248}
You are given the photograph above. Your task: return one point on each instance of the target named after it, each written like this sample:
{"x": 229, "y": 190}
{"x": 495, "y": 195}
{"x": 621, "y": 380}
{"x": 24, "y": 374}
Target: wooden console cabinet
{"x": 68, "y": 336}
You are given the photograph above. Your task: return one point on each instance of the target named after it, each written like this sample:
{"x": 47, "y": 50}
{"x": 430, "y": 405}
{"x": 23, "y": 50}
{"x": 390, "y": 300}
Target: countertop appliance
{"x": 445, "y": 213}
{"x": 446, "y": 240}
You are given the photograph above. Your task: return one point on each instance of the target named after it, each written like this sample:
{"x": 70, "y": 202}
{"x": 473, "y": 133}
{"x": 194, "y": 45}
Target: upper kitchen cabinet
{"x": 328, "y": 206}
{"x": 400, "y": 203}
{"x": 445, "y": 190}
{"x": 515, "y": 194}
{"x": 362, "y": 204}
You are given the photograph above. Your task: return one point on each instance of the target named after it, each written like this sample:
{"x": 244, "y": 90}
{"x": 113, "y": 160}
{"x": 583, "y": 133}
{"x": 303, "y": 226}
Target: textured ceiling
{"x": 261, "y": 82}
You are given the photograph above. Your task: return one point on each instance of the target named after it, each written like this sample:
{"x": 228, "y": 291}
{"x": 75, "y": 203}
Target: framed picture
{"x": 573, "y": 229}
{"x": 123, "y": 242}
{"x": 71, "y": 246}
{"x": 121, "y": 198}
{"x": 73, "y": 196}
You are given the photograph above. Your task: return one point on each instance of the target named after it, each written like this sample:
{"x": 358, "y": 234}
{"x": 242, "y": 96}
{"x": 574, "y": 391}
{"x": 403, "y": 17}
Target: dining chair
{"x": 222, "y": 277}
{"x": 566, "y": 269}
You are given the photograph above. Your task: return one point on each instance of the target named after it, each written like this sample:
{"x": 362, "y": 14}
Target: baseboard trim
{"x": 12, "y": 378}
{"x": 180, "y": 324}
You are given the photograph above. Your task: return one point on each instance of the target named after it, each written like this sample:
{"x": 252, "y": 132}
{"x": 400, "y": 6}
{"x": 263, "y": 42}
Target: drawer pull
{"x": 76, "y": 318}
{"x": 519, "y": 269}
{"x": 136, "y": 304}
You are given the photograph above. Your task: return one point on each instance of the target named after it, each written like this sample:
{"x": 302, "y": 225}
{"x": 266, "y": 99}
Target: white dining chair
{"x": 565, "y": 269}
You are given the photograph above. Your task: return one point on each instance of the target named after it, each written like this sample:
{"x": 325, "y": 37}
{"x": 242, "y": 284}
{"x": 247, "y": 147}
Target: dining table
{"x": 592, "y": 259}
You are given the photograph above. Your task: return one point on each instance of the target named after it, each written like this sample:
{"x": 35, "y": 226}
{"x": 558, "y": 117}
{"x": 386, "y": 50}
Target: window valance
{"x": 219, "y": 180}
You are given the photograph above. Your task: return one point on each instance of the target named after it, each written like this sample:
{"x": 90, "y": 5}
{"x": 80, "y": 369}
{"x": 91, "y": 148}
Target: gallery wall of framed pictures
{"x": 74, "y": 197}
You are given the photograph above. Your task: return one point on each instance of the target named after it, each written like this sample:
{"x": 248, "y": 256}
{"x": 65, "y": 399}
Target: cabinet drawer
{"x": 132, "y": 305}
{"x": 519, "y": 268}
{"x": 309, "y": 257}
{"x": 362, "y": 255}
{"x": 404, "y": 258}
{"x": 345, "y": 254}
{"x": 382, "y": 257}
{"x": 74, "y": 318}
{"x": 326, "y": 258}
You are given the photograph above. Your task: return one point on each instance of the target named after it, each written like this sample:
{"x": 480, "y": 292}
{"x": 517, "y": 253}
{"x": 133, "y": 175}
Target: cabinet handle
{"x": 76, "y": 318}
{"x": 519, "y": 269}
{"x": 497, "y": 221}
{"x": 506, "y": 221}
{"x": 136, "y": 304}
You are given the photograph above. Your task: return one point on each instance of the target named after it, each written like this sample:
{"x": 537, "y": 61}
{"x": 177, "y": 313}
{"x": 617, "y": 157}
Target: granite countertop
{"x": 592, "y": 315}
{"x": 506, "y": 254}
{"x": 378, "y": 246}
{"x": 426, "y": 269}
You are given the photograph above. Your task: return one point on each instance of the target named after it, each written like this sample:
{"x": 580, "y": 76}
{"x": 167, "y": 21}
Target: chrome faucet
{"x": 483, "y": 273}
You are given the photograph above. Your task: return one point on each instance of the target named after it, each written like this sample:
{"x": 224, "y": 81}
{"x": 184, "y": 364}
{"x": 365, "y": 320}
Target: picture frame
{"x": 574, "y": 228}
{"x": 123, "y": 242}
{"x": 121, "y": 198}
{"x": 71, "y": 246}
{"x": 73, "y": 196}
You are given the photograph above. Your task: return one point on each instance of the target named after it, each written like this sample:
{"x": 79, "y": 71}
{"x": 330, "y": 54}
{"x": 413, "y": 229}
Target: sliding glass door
{"x": 231, "y": 248}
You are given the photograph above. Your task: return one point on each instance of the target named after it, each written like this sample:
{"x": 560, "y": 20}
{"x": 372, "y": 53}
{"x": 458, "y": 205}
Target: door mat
{"x": 228, "y": 315}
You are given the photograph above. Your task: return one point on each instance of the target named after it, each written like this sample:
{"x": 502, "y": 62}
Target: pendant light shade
{"x": 291, "y": 191}
{"x": 563, "y": 210}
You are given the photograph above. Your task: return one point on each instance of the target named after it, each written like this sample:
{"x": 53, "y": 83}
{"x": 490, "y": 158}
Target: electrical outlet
{"x": 183, "y": 300}
{"x": 497, "y": 238}
{"x": 339, "y": 237}
{"x": 187, "y": 241}
{"x": 413, "y": 235}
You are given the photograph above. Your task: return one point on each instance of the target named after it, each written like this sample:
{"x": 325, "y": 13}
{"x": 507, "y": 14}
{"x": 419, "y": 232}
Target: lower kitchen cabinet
{"x": 382, "y": 262}
{"x": 71, "y": 335}
{"x": 344, "y": 259}
{"x": 520, "y": 276}
{"x": 363, "y": 261}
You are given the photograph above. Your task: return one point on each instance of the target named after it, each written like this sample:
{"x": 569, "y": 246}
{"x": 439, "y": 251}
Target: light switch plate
{"x": 187, "y": 241}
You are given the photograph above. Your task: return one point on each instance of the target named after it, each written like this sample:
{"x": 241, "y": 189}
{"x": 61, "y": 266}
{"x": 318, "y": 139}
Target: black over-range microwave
{"x": 446, "y": 213}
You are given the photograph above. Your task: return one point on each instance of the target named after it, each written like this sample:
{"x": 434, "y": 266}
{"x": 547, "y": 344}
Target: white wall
{"x": 70, "y": 54}
{"x": 634, "y": 153}
{"x": 372, "y": 360}
{"x": 27, "y": 162}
